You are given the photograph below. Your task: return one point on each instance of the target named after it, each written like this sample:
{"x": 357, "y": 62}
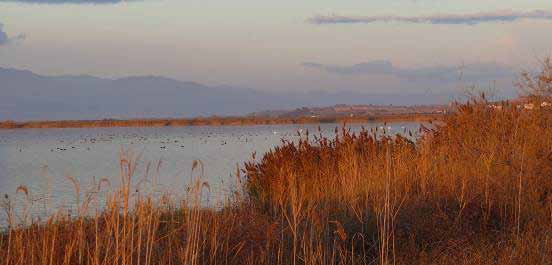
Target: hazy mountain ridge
{"x": 30, "y": 96}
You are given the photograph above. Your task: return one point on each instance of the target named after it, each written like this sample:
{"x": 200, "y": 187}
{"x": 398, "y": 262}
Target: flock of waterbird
{"x": 216, "y": 136}
{"x": 87, "y": 142}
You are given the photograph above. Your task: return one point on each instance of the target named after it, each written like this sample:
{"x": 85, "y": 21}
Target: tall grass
{"x": 481, "y": 178}
{"x": 476, "y": 188}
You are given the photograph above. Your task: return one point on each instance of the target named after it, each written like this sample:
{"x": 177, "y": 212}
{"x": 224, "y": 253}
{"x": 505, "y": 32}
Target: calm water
{"x": 43, "y": 159}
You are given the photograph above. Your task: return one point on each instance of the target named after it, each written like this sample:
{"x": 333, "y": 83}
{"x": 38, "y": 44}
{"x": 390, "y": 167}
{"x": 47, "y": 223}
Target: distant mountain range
{"x": 25, "y": 95}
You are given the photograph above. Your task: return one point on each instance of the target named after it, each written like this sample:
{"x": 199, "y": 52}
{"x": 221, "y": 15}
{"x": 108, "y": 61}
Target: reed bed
{"x": 216, "y": 121}
{"x": 475, "y": 188}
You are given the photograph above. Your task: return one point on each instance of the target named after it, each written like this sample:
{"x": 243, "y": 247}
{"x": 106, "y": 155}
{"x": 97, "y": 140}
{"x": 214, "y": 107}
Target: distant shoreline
{"x": 216, "y": 121}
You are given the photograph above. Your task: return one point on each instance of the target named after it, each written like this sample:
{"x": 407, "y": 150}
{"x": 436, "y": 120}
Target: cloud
{"x": 66, "y": 1}
{"x": 5, "y": 39}
{"x": 472, "y": 72}
{"x": 450, "y": 19}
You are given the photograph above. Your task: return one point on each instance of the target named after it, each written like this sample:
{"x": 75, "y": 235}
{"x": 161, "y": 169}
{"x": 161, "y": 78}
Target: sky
{"x": 372, "y": 46}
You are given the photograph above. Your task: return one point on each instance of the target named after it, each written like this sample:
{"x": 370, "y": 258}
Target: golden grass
{"x": 480, "y": 179}
{"x": 476, "y": 188}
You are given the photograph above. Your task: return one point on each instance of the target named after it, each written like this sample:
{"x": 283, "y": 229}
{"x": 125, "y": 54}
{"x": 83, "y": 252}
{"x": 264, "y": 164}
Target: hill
{"x": 30, "y": 96}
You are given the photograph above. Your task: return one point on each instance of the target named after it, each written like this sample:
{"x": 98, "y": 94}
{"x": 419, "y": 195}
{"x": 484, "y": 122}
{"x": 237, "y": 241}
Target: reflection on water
{"x": 45, "y": 160}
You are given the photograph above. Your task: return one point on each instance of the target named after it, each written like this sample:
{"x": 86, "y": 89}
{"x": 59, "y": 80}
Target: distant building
{"x": 496, "y": 107}
{"x": 529, "y": 103}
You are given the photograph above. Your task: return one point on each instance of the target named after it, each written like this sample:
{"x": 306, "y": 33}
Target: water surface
{"x": 44, "y": 160}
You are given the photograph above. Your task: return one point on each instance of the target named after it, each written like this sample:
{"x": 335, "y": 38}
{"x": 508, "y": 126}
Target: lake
{"x": 44, "y": 160}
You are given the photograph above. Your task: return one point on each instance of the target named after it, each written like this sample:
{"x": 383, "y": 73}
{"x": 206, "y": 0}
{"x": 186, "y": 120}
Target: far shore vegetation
{"x": 216, "y": 121}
